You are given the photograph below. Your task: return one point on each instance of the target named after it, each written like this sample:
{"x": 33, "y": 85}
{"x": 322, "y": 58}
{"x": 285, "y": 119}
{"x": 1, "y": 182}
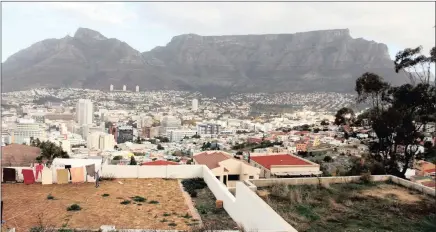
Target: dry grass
{"x": 352, "y": 207}
{"x": 22, "y": 202}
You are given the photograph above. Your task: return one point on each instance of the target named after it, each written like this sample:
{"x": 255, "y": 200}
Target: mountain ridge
{"x": 325, "y": 60}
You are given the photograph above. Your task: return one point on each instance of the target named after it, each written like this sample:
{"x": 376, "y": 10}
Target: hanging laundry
{"x": 38, "y": 170}
{"x": 9, "y": 174}
{"x": 62, "y": 176}
{"x": 77, "y": 175}
{"x": 29, "y": 178}
{"x": 90, "y": 170}
{"x": 69, "y": 169}
{"x": 47, "y": 176}
{"x": 97, "y": 179}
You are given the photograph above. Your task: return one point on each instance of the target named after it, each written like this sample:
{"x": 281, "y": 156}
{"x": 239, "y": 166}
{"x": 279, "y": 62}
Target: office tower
{"x": 111, "y": 88}
{"x": 124, "y": 87}
{"x": 84, "y": 112}
{"x": 169, "y": 123}
{"x": 194, "y": 104}
{"x": 137, "y": 88}
{"x": 26, "y": 129}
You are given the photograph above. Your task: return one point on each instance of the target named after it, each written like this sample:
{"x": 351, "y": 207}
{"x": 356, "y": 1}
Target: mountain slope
{"x": 327, "y": 60}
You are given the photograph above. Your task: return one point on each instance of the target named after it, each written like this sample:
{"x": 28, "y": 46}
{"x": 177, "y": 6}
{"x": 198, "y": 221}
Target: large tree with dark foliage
{"x": 49, "y": 150}
{"x": 398, "y": 114}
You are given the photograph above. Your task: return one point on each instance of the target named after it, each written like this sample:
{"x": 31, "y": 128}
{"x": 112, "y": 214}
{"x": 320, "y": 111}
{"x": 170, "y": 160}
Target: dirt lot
{"x": 26, "y": 205}
{"x": 352, "y": 207}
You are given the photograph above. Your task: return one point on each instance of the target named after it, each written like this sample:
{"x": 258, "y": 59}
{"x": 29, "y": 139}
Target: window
{"x": 218, "y": 177}
{"x": 233, "y": 177}
{"x": 251, "y": 177}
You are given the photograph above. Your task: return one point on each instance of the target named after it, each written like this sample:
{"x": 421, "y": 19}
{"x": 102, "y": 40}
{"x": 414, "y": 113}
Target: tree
{"x": 325, "y": 122}
{"x": 327, "y": 159}
{"x": 118, "y": 157}
{"x": 397, "y": 114}
{"x": 50, "y": 151}
{"x": 344, "y": 116}
{"x": 159, "y": 147}
{"x": 133, "y": 161}
{"x": 138, "y": 140}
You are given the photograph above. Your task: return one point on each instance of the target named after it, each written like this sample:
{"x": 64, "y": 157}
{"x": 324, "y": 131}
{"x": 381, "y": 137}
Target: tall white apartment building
{"x": 26, "y": 129}
{"x": 194, "y": 104}
{"x": 137, "y": 89}
{"x": 101, "y": 141}
{"x": 84, "y": 112}
{"x": 111, "y": 88}
{"x": 124, "y": 88}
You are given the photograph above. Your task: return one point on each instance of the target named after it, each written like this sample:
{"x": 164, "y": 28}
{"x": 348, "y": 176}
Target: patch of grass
{"x": 153, "y": 202}
{"x": 50, "y": 197}
{"x": 74, "y": 207}
{"x": 138, "y": 199}
{"x": 105, "y": 195}
{"x": 65, "y": 230}
{"x": 187, "y": 216}
{"x": 172, "y": 224}
{"x": 125, "y": 202}
{"x": 166, "y": 214}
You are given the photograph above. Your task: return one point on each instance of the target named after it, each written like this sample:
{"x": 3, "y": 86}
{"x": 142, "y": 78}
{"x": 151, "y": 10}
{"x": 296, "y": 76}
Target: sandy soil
{"x": 26, "y": 205}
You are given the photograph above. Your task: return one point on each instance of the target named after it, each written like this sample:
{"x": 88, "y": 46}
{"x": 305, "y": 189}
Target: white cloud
{"x": 403, "y": 25}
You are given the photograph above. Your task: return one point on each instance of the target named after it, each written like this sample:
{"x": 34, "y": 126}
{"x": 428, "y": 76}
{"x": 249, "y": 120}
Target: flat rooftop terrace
{"x": 164, "y": 207}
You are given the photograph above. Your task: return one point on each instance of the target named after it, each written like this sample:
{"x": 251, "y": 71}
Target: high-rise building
{"x": 137, "y": 89}
{"x": 84, "y": 112}
{"x": 169, "y": 123}
{"x": 208, "y": 129}
{"x": 125, "y": 134}
{"x": 194, "y": 104}
{"x": 26, "y": 129}
{"x": 124, "y": 87}
{"x": 111, "y": 87}
{"x": 101, "y": 141}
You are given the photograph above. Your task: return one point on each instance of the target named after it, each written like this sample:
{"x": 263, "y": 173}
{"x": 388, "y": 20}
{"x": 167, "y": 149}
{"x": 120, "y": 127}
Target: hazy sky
{"x": 146, "y": 25}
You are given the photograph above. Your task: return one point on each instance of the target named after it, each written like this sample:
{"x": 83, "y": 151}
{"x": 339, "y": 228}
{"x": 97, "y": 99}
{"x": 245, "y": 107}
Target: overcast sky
{"x": 146, "y": 25}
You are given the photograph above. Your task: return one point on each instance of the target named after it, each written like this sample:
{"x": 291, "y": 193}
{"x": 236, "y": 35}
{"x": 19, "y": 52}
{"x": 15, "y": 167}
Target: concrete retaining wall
{"x": 342, "y": 180}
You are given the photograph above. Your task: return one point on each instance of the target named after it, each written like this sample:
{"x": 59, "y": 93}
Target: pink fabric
{"x": 29, "y": 178}
{"x": 77, "y": 175}
{"x": 38, "y": 169}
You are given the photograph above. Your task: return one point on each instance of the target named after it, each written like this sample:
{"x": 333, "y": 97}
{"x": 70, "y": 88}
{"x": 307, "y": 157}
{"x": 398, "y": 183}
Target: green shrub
{"x": 187, "y": 216}
{"x": 138, "y": 199}
{"x": 125, "y": 202}
{"x": 50, "y": 197}
{"x": 74, "y": 207}
{"x": 193, "y": 193}
{"x": 105, "y": 195}
{"x": 366, "y": 178}
{"x": 153, "y": 202}
{"x": 172, "y": 224}
{"x": 166, "y": 214}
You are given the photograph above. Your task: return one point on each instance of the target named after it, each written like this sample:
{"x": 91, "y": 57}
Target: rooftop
{"x": 160, "y": 162}
{"x": 211, "y": 159}
{"x": 285, "y": 159}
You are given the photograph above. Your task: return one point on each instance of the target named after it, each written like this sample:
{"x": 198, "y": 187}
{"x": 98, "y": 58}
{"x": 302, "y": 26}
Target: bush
{"x": 366, "y": 178}
{"x": 193, "y": 193}
{"x": 50, "y": 197}
{"x": 172, "y": 224}
{"x": 105, "y": 195}
{"x": 125, "y": 202}
{"x": 163, "y": 220}
{"x": 74, "y": 207}
{"x": 328, "y": 159}
{"x": 153, "y": 202}
{"x": 138, "y": 199}
{"x": 187, "y": 216}
{"x": 166, "y": 214}
{"x": 280, "y": 190}
{"x": 118, "y": 157}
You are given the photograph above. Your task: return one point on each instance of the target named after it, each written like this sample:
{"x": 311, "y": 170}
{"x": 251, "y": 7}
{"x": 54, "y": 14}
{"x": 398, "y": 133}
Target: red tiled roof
{"x": 19, "y": 155}
{"x": 430, "y": 170}
{"x": 268, "y": 160}
{"x": 160, "y": 162}
{"x": 211, "y": 160}
{"x": 430, "y": 184}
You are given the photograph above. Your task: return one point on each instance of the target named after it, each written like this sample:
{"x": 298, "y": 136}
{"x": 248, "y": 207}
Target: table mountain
{"x": 328, "y": 60}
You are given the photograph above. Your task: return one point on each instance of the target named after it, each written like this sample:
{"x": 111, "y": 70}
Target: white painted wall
{"x": 149, "y": 171}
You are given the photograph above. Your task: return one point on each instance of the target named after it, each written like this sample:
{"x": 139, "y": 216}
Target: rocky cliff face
{"x": 327, "y": 60}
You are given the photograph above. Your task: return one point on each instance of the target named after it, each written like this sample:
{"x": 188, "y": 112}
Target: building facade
{"x": 84, "y": 113}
